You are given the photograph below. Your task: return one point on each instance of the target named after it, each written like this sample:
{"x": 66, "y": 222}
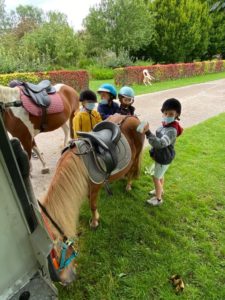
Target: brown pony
{"x": 71, "y": 185}
{"x": 25, "y": 127}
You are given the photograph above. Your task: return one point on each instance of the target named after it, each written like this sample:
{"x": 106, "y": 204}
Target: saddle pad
{"x": 56, "y": 105}
{"x": 96, "y": 174}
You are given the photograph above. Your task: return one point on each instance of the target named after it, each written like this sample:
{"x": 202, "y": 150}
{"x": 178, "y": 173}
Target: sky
{"x": 76, "y": 10}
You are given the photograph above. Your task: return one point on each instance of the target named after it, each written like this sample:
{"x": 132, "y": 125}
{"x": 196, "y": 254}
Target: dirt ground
{"x": 199, "y": 102}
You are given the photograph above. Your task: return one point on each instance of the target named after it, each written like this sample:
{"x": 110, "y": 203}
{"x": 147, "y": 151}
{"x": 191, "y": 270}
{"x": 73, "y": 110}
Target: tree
{"x": 217, "y": 32}
{"x": 54, "y": 39}
{"x": 3, "y": 17}
{"x": 25, "y": 18}
{"x": 182, "y": 30}
{"x": 119, "y": 25}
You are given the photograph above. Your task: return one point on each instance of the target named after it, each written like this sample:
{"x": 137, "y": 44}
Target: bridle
{"x": 65, "y": 244}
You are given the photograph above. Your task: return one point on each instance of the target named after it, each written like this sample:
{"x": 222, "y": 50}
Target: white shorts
{"x": 157, "y": 170}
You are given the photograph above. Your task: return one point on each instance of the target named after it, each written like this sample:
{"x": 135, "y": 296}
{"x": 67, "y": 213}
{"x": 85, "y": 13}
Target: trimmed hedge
{"x": 79, "y": 80}
{"x": 134, "y": 74}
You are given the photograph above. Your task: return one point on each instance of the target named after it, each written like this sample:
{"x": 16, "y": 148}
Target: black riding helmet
{"x": 88, "y": 95}
{"x": 172, "y": 104}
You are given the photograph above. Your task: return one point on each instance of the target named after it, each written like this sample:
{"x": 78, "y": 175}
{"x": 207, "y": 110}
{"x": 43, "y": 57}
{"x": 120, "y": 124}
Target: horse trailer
{"x": 25, "y": 244}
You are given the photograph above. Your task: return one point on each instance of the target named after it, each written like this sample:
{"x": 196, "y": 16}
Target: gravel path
{"x": 199, "y": 102}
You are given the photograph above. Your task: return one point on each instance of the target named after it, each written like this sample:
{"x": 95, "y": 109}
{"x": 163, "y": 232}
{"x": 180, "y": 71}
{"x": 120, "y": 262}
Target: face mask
{"x": 168, "y": 120}
{"x": 104, "y": 101}
{"x": 90, "y": 106}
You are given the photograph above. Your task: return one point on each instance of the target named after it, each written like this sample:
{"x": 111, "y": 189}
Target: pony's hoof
{"x": 45, "y": 171}
{"x": 93, "y": 224}
{"x": 128, "y": 188}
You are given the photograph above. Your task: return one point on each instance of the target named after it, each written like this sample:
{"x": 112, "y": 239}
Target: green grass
{"x": 164, "y": 85}
{"x": 138, "y": 247}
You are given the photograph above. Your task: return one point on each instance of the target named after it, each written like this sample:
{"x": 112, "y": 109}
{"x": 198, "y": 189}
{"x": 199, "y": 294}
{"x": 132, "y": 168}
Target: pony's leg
{"x": 44, "y": 170}
{"x": 129, "y": 185}
{"x": 93, "y": 195}
{"x": 66, "y": 130}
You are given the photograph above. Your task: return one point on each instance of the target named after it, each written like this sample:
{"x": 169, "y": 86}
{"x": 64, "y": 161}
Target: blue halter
{"x": 63, "y": 261}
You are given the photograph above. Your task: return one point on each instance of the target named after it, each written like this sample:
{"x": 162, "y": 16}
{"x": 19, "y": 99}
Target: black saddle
{"x": 39, "y": 92}
{"x": 104, "y": 139}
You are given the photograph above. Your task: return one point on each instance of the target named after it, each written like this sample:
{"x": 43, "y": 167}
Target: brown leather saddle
{"x": 105, "y": 151}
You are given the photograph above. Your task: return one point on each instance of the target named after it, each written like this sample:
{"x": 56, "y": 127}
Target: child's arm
{"x": 167, "y": 139}
{"x": 77, "y": 123}
{"x": 102, "y": 113}
{"x": 98, "y": 117}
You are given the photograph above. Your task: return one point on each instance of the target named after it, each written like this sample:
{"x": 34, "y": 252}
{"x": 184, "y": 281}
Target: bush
{"x": 134, "y": 74}
{"x": 30, "y": 77}
{"x": 22, "y": 62}
{"x": 100, "y": 73}
{"x": 122, "y": 60}
{"x": 79, "y": 80}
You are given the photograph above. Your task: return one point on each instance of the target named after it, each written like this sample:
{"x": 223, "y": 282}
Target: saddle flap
{"x": 95, "y": 164}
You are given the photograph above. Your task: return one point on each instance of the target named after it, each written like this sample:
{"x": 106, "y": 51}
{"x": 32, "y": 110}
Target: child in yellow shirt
{"x": 87, "y": 117}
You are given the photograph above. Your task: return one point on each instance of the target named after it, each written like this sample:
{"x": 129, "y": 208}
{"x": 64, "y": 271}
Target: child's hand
{"x": 143, "y": 127}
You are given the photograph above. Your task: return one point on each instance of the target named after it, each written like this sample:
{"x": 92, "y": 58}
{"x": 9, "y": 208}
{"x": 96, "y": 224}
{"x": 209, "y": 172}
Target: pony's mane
{"x": 68, "y": 188}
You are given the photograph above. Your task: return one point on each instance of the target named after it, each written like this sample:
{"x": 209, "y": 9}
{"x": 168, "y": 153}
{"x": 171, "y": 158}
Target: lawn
{"x": 164, "y": 85}
{"x": 138, "y": 247}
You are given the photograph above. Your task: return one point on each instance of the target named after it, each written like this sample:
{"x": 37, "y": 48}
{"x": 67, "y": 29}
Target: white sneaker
{"x": 153, "y": 193}
{"x": 154, "y": 201}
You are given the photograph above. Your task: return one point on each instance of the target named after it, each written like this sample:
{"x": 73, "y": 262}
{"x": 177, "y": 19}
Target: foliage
{"x": 131, "y": 75}
{"x": 122, "y": 60}
{"x": 107, "y": 25}
{"x": 137, "y": 248}
{"x": 182, "y": 30}
{"x": 79, "y": 80}
{"x": 35, "y": 41}
{"x": 22, "y": 60}
{"x": 56, "y": 39}
{"x": 25, "y": 19}
{"x": 100, "y": 72}
{"x": 217, "y": 33}
{"x": 30, "y": 77}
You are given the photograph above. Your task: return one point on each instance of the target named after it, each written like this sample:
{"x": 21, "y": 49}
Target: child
{"x": 126, "y": 97}
{"x": 163, "y": 146}
{"x": 87, "y": 117}
{"x": 107, "y": 106}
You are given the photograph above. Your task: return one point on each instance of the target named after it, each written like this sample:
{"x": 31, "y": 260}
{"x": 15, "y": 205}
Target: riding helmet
{"x": 171, "y": 104}
{"x": 109, "y": 88}
{"x": 126, "y": 91}
{"x": 88, "y": 95}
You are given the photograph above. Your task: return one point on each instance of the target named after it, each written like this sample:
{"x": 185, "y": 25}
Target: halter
{"x": 65, "y": 244}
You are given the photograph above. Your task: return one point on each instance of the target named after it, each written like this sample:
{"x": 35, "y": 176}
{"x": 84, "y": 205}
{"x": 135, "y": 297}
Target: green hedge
{"x": 79, "y": 80}
{"x": 134, "y": 74}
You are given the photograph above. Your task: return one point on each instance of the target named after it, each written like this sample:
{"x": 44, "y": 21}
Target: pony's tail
{"x": 8, "y": 94}
{"x": 134, "y": 172}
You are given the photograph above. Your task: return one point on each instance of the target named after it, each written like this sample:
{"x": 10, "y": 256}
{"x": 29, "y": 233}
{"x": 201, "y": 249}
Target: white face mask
{"x": 90, "y": 106}
{"x": 168, "y": 120}
{"x": 104, "y": 101}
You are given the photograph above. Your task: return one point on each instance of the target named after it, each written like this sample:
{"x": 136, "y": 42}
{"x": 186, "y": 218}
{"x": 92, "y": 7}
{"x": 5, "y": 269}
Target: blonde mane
{"x": 68, "y": 188}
